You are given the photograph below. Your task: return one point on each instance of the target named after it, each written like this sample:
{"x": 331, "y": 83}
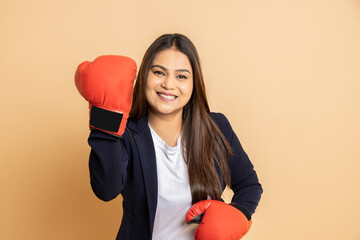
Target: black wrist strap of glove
{"x": 105, "y": 119}
{"x": 243, "y": 210}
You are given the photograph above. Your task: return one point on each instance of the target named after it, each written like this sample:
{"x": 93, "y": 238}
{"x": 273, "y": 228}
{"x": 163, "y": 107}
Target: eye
{"x": 182, "y": 77}
{"x": 158, "y": 72}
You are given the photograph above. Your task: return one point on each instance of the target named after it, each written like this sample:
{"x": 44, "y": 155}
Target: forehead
{"x": 172, "y": 59}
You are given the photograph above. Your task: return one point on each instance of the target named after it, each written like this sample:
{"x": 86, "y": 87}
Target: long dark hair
{"x": 205, "y": 148}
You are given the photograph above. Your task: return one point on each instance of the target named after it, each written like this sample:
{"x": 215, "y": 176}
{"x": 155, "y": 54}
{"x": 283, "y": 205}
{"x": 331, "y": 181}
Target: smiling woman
{"x": 169, "y": 86}
{"x": 176, "y": 157}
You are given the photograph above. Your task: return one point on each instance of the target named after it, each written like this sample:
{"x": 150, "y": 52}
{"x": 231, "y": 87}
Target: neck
{"x": 166, "y": 126}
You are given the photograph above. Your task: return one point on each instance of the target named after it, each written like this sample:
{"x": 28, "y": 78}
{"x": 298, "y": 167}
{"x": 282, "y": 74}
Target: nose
{"x": 169, "y": 82}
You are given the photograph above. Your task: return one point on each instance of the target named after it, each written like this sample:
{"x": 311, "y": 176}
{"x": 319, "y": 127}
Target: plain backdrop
{"x": 285, "y": 72}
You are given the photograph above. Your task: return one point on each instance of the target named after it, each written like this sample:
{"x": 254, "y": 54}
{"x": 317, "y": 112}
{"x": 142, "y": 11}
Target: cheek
{"x": 151, "y": 82}
{"x": 148, "y": 88}
{"x": 187, "y": 88}
{"x": 149, "y": 94}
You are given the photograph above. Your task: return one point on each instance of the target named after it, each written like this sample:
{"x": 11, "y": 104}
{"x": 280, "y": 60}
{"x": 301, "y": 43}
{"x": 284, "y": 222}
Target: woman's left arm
{"x": 244, "y": 181}
{"x": 219, "y": 220}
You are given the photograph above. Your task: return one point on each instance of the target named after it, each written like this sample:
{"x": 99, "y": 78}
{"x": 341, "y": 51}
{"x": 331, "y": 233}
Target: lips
{"x": 166, "y": 96}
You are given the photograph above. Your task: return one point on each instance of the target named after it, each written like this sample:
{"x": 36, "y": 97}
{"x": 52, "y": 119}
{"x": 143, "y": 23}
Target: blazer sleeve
{"x": 107, "y": 164}
{"x": 244, "y": 181}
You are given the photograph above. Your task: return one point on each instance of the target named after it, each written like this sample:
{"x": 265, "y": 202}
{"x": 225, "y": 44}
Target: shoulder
{"x": 137, "y": 125}
{"x": 223, "y": 123}
{"x": 218, "y": 117}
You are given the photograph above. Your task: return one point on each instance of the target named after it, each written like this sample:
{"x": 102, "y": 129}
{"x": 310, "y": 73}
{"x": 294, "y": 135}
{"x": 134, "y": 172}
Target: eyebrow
{"x": 165, "y": 69}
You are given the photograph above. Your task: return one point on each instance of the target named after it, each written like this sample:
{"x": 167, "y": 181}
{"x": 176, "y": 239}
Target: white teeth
{"x": 167, "y": 96}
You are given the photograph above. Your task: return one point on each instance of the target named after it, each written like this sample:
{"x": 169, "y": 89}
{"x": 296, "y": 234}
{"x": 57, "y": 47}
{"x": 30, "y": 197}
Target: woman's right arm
{"x": 107, "y": 164}
{"x": 107, "y": 84}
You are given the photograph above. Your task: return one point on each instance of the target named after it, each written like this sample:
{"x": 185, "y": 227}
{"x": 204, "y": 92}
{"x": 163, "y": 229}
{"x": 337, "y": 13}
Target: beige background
{"x": 286, "y": 73}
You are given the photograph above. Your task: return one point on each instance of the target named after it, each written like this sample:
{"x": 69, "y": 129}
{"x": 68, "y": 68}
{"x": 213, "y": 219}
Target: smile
{"x": 166, "y": 96}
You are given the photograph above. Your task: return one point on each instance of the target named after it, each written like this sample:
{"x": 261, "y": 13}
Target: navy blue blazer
{"x": 127, "y": 166}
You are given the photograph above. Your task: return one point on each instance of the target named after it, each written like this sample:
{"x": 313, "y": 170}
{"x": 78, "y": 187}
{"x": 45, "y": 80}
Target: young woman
{"x": 169, "y": 157}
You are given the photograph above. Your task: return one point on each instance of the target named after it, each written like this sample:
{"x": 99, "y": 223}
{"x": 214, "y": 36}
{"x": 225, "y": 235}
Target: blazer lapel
{"x": 147, "y": 157}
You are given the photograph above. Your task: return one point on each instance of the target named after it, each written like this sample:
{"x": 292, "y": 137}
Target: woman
{"x": 175, "y": 157}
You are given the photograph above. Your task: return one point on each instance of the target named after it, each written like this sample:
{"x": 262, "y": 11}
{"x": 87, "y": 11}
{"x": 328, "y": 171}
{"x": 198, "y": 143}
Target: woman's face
{"x": 169, "y": 83}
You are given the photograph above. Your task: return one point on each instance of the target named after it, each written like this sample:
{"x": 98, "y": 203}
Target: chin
{"x": 169, "y": 111}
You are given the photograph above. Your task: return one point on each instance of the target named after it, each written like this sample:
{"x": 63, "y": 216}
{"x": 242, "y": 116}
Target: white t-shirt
{"x": 174, "y": 195}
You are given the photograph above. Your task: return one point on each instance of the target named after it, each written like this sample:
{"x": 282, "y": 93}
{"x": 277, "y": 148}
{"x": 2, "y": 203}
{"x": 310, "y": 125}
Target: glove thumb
{"x": 195, "y": 213}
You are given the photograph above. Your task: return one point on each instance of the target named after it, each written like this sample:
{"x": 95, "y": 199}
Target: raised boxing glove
{"x": 218, "y": 220}
{"x": 107, "y": 84}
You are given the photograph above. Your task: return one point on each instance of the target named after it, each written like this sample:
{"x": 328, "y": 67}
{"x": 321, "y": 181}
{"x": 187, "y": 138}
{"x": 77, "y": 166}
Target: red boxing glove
{"x": 219, "y": 221}
{"x": 107, "y": 84}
